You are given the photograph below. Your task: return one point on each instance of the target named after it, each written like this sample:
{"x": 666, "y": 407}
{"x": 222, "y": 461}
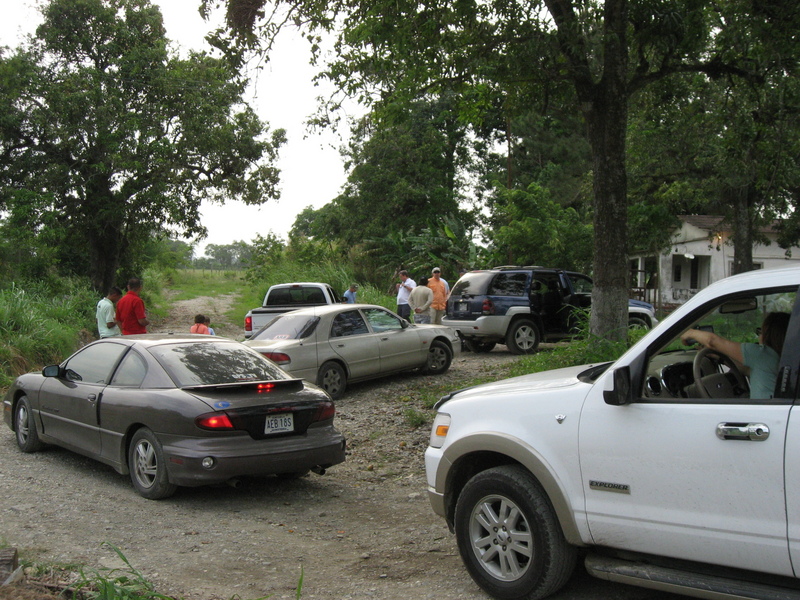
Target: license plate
{"x": 463, "y": 306}
{"x": 279, "y": 423}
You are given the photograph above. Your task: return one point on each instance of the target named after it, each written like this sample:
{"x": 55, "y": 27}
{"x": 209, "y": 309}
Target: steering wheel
{"x": 719, "y": 382}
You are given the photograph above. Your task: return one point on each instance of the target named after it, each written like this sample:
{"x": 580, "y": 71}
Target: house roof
{"x": 717, "y": 223}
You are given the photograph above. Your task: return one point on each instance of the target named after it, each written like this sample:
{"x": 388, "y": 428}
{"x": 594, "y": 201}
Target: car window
{"x": 509, "y": 284}
{"x": 213, "y": 363}
{"x": 680, "y": 372}
{"x": 348, "y": 323}
{"x": 381, "y": 320}
{"x": 94, "y": 363}
{"x": 131, "y": 371}
{"x": 288, "y": 327}
{"x": 473, "y": 283}
{"x": 581, "y": 284}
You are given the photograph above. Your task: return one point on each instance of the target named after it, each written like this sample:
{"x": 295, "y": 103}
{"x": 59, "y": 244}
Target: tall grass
{"x": 40, "y": 325}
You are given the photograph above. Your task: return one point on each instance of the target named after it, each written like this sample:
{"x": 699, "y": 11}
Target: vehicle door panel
{"x": 689, "y": 493}
{"x": 69, "y": 404}
{"x": 352, "y": 340}
{"x": 399, "y": 347}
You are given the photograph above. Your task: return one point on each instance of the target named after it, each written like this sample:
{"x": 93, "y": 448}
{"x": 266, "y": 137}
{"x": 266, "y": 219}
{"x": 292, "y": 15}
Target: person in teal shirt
{"x": 760, "y": 360}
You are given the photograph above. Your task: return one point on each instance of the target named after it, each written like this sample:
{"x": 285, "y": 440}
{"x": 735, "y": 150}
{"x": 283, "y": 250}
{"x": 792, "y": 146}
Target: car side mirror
{"x": 51, "y": 371}
{"x": 620, "y": 394}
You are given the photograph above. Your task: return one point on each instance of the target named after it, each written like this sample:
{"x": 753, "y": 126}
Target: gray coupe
{"x": 176, "y": 410}
{"x": 332, "y": 345}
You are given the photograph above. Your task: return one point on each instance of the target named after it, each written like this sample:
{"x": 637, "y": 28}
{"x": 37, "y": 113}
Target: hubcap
{"x": 331, "y": 382}
{"x": 436, "y": 359}
{"x": 22, "y": 423}
{"x": 525, "y": 338}
{"x": 146, "y": 464}
{"x": 501, "y": 538}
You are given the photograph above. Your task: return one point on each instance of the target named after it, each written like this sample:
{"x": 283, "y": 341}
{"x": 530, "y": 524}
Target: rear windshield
{"x": 212, "y": 363}
{"x": 288, "y": 327}
{"x": 473, "y": 284}
{"x": 297, "y": 294}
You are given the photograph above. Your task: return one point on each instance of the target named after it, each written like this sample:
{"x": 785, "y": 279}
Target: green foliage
{"x": 41, "y": 325}
{"x": 116, "y": 584}
{"x": 532, "y": 229}
{"x": 120, "y": 139}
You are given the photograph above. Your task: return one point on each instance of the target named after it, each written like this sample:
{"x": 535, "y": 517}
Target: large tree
{"x": 511, "y": 51}
{"x": 118, "y": 140}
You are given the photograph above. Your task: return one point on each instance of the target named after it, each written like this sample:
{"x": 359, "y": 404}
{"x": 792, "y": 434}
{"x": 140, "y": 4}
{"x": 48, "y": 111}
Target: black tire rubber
{"x": 25, "y": 427}
{"x": 332, "y": 379}
{"x": 523, "y": 337}
{"x": 523, "y": 554}
{"x": 439, "y": 358}
{"x": 147, "y": 466}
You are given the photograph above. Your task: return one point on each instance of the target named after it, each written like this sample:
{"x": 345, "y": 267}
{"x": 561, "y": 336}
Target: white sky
{"x": 284, "y": 96}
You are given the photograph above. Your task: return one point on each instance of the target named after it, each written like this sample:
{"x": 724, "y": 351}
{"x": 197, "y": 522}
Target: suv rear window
{"x": 473, "y": 284}
{"x": 509, "y": 284}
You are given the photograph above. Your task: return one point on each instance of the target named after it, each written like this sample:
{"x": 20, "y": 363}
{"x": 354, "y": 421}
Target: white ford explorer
{"x": 659, "y": 467}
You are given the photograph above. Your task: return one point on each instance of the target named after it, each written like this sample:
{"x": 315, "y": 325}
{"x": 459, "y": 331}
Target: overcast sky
{"x": 283, "y": 95}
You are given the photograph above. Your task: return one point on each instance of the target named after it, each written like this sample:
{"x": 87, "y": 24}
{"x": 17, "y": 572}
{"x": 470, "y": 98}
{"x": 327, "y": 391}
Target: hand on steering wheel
{"x": 719, "y": 381}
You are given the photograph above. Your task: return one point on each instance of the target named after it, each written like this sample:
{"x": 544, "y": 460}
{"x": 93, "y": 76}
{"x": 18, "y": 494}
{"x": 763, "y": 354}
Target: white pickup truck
{"x": 286, "y": 297}
{"x": 659, "y": 468}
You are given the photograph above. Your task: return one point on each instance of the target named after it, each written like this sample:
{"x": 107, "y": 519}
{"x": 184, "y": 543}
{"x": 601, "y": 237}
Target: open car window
{"x": 687, "y": 373}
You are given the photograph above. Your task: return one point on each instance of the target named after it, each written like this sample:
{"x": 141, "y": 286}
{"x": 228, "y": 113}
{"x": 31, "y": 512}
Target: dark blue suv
{"x": 521, "y": 306}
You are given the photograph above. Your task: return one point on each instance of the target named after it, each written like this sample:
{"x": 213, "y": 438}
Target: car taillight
{"x": 214, "y": 421}
{"x": 248, "y": 323}
{"x": 279, "y": 358}
{"x": 325, "y": 411}
{"x": 488, "y": 307}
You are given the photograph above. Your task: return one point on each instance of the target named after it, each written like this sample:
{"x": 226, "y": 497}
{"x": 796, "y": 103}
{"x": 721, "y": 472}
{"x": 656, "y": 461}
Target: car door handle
{"x": 92, "y": 398}
{"x": 752, "y": 432}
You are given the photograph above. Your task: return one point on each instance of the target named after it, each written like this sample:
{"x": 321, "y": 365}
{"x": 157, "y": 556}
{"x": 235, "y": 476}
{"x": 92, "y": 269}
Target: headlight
{"x": 441, "y": 425}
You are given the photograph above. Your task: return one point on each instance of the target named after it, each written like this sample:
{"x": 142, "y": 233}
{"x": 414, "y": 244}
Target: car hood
{"x": 525, "y": 384}
{"x": 640, "y": 304}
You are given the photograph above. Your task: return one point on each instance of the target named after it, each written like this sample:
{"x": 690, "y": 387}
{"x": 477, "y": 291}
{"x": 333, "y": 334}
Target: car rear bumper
{"x": 489, "y": 327}
{"x": 242, "y": 456}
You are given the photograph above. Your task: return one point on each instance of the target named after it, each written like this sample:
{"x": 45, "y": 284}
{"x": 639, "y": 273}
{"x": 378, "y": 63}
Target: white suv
{"x": 659, "y": 465}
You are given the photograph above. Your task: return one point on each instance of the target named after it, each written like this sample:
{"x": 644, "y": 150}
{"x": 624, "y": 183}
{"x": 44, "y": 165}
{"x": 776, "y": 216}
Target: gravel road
{"x": 364, "y": 530}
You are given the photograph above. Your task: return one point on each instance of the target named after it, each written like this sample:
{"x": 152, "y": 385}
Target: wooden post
{"x": 9, "y": 561}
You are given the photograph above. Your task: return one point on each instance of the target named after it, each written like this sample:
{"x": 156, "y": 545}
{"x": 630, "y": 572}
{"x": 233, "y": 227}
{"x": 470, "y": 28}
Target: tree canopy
{"x": 108, "y": 140}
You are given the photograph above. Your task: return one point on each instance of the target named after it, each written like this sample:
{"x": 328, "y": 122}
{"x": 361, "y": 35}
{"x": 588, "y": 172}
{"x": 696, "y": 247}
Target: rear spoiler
{"x": 264, "y": 383}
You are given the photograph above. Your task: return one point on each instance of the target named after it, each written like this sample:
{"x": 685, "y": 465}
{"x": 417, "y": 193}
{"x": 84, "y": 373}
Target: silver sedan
{"x": 334, "y": 345}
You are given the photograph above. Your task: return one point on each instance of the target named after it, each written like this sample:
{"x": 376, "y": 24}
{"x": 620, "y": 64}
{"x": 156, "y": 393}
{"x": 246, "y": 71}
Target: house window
{"x": 676, "y": 273}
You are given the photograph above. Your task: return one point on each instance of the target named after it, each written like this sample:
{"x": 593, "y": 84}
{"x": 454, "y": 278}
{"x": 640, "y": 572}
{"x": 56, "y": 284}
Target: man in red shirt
{"x": 130, "y": 310}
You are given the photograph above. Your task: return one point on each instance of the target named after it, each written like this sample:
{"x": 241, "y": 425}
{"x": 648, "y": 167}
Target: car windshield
{"x": 214, "y": 363}
{"x": 472, "y": 283}
{"x": 288, "y": 327}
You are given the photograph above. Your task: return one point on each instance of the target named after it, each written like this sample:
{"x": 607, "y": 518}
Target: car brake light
{"x": 279, "y": 358}
{"x": 326, "y": 411}
{"x": 488, "y": 307}
{"x": 265, "y": 387}
{"x": 214, "y": 421}
{"x": 248, "y": 323}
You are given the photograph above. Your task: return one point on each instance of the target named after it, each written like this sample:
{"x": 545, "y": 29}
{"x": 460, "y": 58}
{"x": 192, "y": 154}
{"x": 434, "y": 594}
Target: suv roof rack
{"x": 517, "y": 267}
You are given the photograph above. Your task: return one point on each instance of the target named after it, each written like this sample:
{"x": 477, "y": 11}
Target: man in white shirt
{"x": 403, "y": 290}
{"x": 106, "y": 314}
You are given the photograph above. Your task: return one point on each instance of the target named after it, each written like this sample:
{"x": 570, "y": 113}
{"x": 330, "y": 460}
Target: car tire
{"x": 522, "y": 337}
{"x": 25, "y": 427}
{"x": 509, "y": 537}
{"x": 332, "y": 379}
{"x": 636, "y": 322}
{"x": 439, "y": 358}
{"x": 481, "y": 347}
{"x": 147, "y": 466}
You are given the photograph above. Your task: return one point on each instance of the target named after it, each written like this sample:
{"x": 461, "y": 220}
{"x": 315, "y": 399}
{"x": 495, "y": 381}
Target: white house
{"x": 701, "y": 253}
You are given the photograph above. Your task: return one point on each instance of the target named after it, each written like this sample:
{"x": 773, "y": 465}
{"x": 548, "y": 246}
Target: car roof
{"x": 331, "y": 308}
{"x": 157, "y": 339}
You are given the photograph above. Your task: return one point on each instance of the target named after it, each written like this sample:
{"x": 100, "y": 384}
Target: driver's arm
{"x": 715, "y": 342}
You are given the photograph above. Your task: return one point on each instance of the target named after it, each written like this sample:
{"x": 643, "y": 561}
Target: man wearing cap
{"x": 440, "y": 291}
{"x": 350, "y": 294}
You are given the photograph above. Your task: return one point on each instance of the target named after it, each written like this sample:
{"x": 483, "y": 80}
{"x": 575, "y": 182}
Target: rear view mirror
{"x": 738, "y": 306}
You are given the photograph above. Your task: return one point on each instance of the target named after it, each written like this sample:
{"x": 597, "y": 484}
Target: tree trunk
{"x": 741, "y": 200}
